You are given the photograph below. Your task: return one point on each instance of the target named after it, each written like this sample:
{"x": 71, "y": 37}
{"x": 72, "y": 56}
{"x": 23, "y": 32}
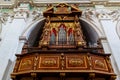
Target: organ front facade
{"x": 62, "y": 28}
{"x": 61, "y": 50}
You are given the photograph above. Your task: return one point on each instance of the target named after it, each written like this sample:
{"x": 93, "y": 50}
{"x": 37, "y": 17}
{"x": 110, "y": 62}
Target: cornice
{"x": 81, "y": 3}
{"x": 85, "y": 3}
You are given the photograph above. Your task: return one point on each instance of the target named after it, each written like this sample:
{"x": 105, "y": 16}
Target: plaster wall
{"x": 113, "y": 41}
{"x": 9, "y": 43}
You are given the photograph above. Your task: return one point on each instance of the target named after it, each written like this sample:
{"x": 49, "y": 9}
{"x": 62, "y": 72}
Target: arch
{"x": 93, "y": 32}
{"x": 35, "y": 26}
{"x": 30, "y": 27}
{"x": 32, "y": 30}
{"x": 98, "y": 30}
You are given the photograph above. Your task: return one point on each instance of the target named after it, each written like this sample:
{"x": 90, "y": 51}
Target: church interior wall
{"x": 9, "y": 43}
{"x": 113, "y": 40}
{"x": 118, "y": 28}
{"x": 110, "y": 44}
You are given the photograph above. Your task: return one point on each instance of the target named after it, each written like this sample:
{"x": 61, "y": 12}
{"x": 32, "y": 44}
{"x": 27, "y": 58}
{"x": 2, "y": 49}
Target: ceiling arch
{"x": 30, "y": 33}
{"x": 96, "y": 28}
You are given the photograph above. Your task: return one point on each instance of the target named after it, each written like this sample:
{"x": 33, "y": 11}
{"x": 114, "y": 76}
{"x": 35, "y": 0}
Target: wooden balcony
{"x": 85, "y": 65}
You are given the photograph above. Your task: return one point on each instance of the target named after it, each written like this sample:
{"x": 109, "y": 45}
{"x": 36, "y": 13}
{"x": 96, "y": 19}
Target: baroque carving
{"x": 3, "y": 18}
{"x": 99, "y": 63}
{"x": 75, "y": 62}
{"x": 45, "y": 36}
{"x": 26, "y": 64}
{"x": 49, "y": 62}
{"x": 36, "y": 14}
{"x": 92, "y": 16}
{"x": 79, "y": 35}
{"x": 115, "y": 15}
{"x": 62, "y": 8}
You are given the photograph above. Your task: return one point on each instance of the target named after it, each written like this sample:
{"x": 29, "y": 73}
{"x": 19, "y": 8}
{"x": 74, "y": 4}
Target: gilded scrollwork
{"x": 76, "y": 18}
{"x": 45, "y": 37}
{"x": 75, "y": 62}
{"x": 26, "y": 63}
{"x": 99, "y": 63}
{"x": 49, "y": 62}
{"x": 79, "y": 35}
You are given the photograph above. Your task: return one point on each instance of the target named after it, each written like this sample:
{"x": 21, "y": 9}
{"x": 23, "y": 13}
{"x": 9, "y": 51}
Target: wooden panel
{"x": 48, "y": 62}
{"x": 99, "y": 63}
{"x": 26, "y": 64}
{"x": 76, "y": 62}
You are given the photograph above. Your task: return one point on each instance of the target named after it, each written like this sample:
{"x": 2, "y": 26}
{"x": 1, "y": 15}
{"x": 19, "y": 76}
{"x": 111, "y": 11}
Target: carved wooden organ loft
{"x": 61, "y": 51}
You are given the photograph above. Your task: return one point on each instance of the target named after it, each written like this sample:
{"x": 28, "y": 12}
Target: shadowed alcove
{"x": 90, "y": 35}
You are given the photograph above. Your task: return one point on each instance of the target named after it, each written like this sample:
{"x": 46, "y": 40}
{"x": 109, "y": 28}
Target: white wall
{"x": 9, "y": 43}
{"x": 114, "y": 42}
